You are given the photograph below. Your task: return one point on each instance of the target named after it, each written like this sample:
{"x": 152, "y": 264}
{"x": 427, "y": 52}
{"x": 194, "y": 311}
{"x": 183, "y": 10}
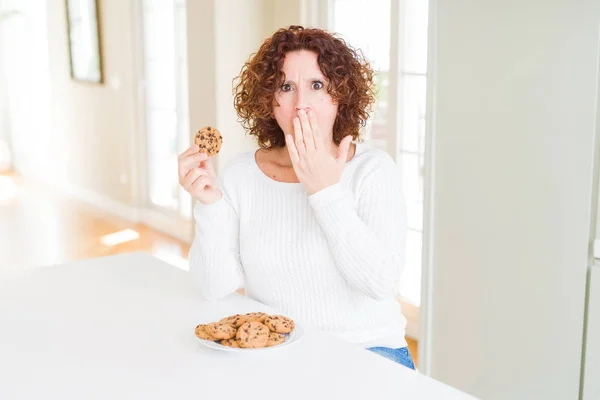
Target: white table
{"x": 122, "y": 327}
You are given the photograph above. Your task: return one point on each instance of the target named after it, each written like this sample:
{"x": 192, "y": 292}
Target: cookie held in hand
{"x": 209, "y": 140}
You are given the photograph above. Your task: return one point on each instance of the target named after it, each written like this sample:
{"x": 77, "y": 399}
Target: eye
{"x": 317, "y": 85}
{"x": 286, "y": 87}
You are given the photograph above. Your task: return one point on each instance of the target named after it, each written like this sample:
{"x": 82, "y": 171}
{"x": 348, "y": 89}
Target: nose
{"x": 302, "y": 100}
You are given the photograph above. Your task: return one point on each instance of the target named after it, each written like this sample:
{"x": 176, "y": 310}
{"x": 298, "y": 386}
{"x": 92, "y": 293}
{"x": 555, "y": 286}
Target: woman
{"x": 313, "y": 223}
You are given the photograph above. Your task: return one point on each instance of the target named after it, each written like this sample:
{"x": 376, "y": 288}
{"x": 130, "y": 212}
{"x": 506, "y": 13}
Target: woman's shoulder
{"x": 368, "y": 160}
{"x": 374, "y": 173}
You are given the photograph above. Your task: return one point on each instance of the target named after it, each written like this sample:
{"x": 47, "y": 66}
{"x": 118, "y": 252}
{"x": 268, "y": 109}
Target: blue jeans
{"x": 400, "y": 356}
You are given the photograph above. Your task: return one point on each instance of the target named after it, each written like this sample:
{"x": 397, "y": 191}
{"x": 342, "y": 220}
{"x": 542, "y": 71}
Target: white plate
{"x": 290, "y": 339}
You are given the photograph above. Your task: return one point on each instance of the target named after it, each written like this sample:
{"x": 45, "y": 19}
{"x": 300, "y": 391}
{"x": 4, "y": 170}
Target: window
{"x": 374, "y": 41}
{"x": 166, "y": 102}
{"x": 393, "y": 36}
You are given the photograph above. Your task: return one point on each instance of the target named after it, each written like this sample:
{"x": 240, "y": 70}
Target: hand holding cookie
{"x": 196, "y": 172}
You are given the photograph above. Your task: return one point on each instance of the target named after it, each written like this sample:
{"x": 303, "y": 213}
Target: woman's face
{"x": 304, "y": 88}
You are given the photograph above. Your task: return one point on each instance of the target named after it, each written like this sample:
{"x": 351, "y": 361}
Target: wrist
{"x": 326, "y": 196}
{"x": 212, "y": 198}
{"x": 311, "y": 190}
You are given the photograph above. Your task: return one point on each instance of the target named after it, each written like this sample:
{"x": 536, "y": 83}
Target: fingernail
{"x": 301, "y": 112}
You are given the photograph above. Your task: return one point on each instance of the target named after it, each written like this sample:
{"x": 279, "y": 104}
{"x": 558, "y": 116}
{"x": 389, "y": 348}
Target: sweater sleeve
{"x": 367, "y": 239}
{"x": 214, "y": 257}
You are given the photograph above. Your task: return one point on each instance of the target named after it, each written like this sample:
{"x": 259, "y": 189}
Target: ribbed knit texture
{"x": 332, "y": 259}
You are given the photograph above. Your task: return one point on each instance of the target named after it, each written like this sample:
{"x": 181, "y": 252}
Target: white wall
{"x": 233, "y": 48}
{"x": 286, "y": 13}
{"x": 514, "y": 112}
{"x": 96, "y": 122}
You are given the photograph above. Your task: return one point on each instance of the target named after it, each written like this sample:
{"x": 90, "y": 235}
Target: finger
{"x": 314, "y": 127}
{"x": 289, "y": 140}
{"x": 202, "y": 183}
{"x": 192, "y": 176}
{"x": 343, "y": 150}
{"x": 191, "y": 161}
{"x": 208, "y": 165}
{"x": 299, "y": 140}
{"x": 307, "y": 133}
{"x": 190, "y": 150}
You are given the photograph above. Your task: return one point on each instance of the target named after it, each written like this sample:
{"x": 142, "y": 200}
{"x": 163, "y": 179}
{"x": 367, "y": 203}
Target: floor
{"x": 61, "y": 229}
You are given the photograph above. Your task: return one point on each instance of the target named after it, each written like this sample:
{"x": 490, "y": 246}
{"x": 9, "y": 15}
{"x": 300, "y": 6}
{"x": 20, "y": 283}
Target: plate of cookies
{"x": 249, "y": 332}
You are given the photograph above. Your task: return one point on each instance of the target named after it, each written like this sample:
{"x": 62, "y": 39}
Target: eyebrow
{"x": 311, "y": 80}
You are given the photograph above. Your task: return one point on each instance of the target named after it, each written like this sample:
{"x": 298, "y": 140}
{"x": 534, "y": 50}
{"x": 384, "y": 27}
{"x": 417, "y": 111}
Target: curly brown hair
{"x": 349, "y": 75}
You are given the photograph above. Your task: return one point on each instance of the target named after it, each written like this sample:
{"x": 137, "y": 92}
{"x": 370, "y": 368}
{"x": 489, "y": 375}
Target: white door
{"x": 591, "y": 383}
{"x": 513, "y": 118}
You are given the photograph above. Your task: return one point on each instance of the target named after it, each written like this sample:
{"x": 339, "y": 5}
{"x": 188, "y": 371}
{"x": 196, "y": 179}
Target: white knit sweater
{"x": 332, "y": 259}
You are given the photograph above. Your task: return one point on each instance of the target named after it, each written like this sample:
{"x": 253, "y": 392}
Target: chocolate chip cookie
{"x": 252, "y": 335}
{"x": 256, "y": 316}
{"x": 230, "y": 343}
{"x": 236, "y": 320}
{"x": 275, "y": 339}
{"x": 220, "y": 330}
{"x": 202, "y": 334}
{"x": 209, "y": 139}
{"x": 279, "y": 324}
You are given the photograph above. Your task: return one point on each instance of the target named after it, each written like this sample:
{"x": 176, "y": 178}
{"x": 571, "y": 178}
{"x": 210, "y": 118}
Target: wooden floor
{"x": 41, "y": 227}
